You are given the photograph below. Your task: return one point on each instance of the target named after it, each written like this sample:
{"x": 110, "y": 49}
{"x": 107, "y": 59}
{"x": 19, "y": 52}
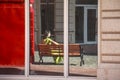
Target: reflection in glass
{"x": 86, "y": 2}
{"x": 82, "y": 55}
{"x": 47, "y": 17}
{"x": 91, "y": 24}
{"x": 48, "y": 55}
{"x": 44, "y": 1}
{"x": 79, "y": 24}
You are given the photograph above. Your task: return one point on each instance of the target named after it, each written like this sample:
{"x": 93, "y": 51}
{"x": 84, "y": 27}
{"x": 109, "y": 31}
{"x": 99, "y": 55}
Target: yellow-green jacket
{"x": 49, "y": 41}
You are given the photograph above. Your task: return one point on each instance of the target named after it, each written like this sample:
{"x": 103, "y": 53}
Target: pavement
{"x": 48, "y": 67}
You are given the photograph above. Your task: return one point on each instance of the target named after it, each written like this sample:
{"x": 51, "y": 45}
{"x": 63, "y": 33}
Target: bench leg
{"x": 82, "y": 60}
{"x": 40, "y": 60}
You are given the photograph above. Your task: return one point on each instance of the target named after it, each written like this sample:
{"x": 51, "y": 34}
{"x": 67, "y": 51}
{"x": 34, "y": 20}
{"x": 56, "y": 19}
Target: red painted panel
{"x": 11, "y": 1}
{"x": 12, "y": 34}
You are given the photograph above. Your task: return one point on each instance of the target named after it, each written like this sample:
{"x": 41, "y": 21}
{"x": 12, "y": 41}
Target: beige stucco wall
{"x": 109, "y": 41}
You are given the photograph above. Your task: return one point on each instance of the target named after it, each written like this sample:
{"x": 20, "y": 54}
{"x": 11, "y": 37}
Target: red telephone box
{"x": 12, "y": 32}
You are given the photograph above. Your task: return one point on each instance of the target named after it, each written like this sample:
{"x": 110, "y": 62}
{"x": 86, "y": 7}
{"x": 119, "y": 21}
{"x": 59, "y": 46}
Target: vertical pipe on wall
{"x": 66, "y": 67}
{"x": 27, "y": 38}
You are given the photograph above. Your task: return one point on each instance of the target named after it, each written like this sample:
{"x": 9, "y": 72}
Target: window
{"x": 46, "y": 60}
{"x": 91, "y": 24}
{"x": 47, "y": 15}
{"x": 86, "y": 24}
{"x": 79, "y": 24}
{"x": 44, "y": 1}
{"x": 34, "y": 68}
{"x": 85, "y": 55}
{"x": 86, "y": 1}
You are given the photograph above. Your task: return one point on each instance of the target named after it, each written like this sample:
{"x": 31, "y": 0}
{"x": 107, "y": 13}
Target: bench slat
{"x": 74, "y": 49}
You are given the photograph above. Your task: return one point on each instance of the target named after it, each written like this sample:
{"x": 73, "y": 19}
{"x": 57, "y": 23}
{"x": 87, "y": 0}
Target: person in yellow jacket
{"x": 47, "y": 40}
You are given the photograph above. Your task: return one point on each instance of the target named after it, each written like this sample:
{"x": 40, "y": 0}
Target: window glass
{"x": 44, "y": 1}
{"x": 79, "y": 24}
{"x": 47, "y": 18}
{"x": 81, "y": 34}
{"x": 86, "y": 1}
{"x": 91, "y": 24}
{"x": 48, "y": 54}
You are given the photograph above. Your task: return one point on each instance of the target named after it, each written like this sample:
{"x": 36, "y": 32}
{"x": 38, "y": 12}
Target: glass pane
{"x": 44, "y": 1}
{"x": 86, "y": 2}
{"x": 79, "y": 27}
{"x": 48, "y": 54}
{"x": 12, "y": 39}
{"x": 51, "y": 0}
{"x": 91, "y": 24}
{"x": 47, "y": 18}
{"x": 82, "y": 56}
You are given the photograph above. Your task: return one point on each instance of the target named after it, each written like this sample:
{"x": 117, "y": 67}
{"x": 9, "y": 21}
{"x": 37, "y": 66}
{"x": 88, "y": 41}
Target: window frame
{"x": 85, "y": 24}
{"x": 86, "y": 7}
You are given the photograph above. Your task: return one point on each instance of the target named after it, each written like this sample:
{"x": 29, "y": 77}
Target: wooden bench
{"x": 74, "y": 50}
